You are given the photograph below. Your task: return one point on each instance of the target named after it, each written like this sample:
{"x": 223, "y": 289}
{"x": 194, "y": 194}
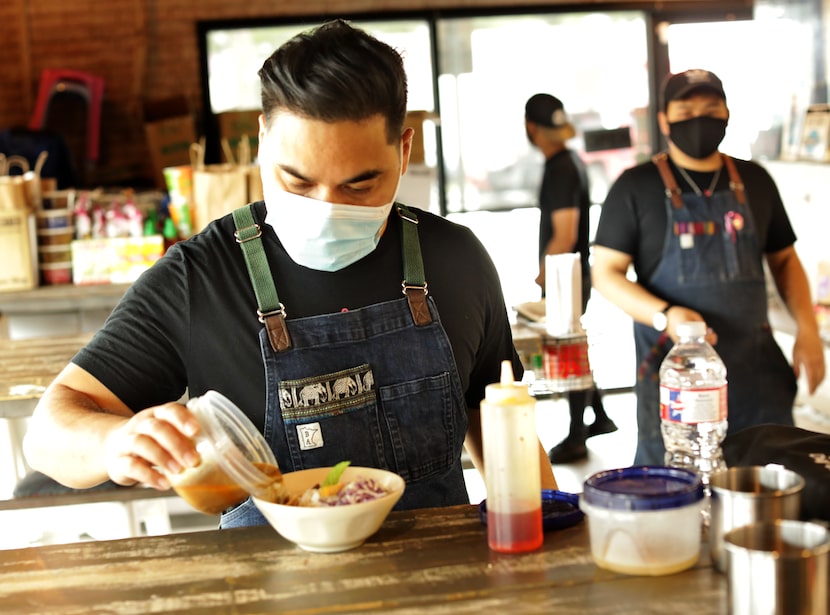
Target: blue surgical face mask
{"x": 320, "y": 235}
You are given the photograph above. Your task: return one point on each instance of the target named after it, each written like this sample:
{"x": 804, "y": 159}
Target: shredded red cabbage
{"x": 359, "y": 490}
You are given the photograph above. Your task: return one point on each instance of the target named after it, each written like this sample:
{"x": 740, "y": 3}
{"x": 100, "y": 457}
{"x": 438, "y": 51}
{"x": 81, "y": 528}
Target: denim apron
{"x": 712, "y": 263}
{"x": 371, "y": 386}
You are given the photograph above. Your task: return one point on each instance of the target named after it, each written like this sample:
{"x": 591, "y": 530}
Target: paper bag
{"x": 18, "y": 251}
{"x": 12, "y": 189}
{"x": 252, "y": 170}
{"x": 29, "y": 179}
{"x": 218, "y": 189}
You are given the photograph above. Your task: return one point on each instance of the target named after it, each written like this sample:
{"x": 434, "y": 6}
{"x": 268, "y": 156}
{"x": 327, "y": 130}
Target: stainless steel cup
{"x": 750, "y": 494}
{"x": 778, "y": 567}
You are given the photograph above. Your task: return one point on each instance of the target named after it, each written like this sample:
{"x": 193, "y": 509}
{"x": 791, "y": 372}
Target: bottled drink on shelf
{"x": 693, "y": 403}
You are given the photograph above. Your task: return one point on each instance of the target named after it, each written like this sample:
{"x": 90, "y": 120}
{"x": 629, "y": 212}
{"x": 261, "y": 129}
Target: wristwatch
{"x": 660, "y": 320}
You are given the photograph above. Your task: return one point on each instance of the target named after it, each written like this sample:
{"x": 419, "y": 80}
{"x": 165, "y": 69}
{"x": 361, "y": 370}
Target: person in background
{"x": 697, "y": 226}
{"x": 332, "y": 150}
{"x": 564, "y": 202}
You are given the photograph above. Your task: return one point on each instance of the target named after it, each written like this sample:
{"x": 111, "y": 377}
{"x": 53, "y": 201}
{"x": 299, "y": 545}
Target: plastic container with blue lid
{"x": 644, "y": 519}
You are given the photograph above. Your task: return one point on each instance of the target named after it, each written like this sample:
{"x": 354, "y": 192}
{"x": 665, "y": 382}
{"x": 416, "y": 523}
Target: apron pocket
{"x": 332, "y": 418}
{"x": 422, "y": 410}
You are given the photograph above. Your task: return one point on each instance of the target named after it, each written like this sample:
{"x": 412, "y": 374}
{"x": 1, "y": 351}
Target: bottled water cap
{"x": 691, "y": 329}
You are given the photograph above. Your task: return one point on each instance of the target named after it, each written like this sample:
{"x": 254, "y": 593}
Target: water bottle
{"x": 693, "y": 403}
{"x": 511, "y": 466}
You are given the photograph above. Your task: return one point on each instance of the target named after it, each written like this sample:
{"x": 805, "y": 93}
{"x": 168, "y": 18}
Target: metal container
{"x": 778, "y": 568}
{"x": 750, "y": 494}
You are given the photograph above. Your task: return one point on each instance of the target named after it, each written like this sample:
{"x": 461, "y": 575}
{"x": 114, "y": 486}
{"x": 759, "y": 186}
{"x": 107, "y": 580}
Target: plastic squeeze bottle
{"x": 511, "y": 466}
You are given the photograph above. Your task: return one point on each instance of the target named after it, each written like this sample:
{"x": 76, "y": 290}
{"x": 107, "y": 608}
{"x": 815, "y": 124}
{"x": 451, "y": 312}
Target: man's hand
{"x": 152, "y": 441}
{"x": 808, "y": 353}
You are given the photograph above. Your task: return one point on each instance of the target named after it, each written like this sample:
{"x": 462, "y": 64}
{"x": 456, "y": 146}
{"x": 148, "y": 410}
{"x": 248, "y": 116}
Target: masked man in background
{"x": 335, "y": 247}
{"x": 697, "y": 225}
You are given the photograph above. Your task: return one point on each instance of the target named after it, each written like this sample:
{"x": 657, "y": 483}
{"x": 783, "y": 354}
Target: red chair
{"x": 87, "y": 86}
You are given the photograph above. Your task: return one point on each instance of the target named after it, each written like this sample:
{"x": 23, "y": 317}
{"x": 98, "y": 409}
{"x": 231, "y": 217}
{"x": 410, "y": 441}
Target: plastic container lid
{"x": 559, "y": 510}
{"x": 643, "y": 488}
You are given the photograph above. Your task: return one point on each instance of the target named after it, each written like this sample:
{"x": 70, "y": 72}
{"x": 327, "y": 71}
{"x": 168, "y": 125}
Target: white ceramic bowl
{"x": 328, "y": 529}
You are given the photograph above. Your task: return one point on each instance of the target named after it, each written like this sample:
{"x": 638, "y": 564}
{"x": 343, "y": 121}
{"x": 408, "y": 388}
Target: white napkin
{"x": 563, "y": 294}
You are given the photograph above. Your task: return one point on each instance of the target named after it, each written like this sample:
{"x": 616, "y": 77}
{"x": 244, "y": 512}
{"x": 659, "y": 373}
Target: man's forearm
{"x": 66, "y": 437}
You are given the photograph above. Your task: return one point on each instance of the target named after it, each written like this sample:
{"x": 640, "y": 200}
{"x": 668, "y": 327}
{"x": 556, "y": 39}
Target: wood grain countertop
{"x": 427, "y": 561}
{"x": 28, "y": 366}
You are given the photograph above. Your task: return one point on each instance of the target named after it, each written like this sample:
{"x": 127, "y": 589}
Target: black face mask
{"x": 698, "y": 137}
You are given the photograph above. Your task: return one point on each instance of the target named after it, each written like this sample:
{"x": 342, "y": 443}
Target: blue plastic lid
{"x": 643, "y": 488}
{"x": 559, "y": 510}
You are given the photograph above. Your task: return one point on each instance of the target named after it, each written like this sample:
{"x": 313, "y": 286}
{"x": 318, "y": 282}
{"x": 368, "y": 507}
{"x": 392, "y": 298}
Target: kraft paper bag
{"x": 12, "y": 193}
{"x": 243, "y": 159}
{"x": 32, "y": 182}
{"x": 12, "y": 189}
{"x": 218, "y": 189}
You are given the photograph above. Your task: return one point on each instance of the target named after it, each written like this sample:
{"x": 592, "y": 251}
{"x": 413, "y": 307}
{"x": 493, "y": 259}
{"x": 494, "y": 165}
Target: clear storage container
{"x": 236, "y": 461}
{"x": 644, "y": 520}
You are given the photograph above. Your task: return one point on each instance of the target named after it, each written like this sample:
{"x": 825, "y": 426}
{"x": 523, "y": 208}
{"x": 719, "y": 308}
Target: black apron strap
{"x": 270, "y": 311}
{"x": 414, "y": 283}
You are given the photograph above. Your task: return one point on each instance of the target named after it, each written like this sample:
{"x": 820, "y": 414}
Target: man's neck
{"x": 710, "y": 163}
{"x": 551, "y": 148}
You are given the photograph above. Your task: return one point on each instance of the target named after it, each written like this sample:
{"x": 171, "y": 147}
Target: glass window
{"x": 236, "y": 53}
{"x": 489, "y": 67}
{"x": 768, "y": 84}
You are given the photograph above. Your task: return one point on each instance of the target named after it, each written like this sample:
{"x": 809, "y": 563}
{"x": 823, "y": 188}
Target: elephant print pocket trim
{"x": 328, "y": 395}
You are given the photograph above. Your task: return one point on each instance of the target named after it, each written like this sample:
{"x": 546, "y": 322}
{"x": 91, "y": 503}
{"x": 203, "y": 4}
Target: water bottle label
{"x": 693, "y": 405}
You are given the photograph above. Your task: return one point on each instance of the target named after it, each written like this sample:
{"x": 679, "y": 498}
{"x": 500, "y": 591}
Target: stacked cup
{"x": 775, "y": 563}
{"x": 55, "y": 232}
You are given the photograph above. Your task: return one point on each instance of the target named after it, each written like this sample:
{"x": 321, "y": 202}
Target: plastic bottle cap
{"x": 507, "y": 379}
{"x": 507, "y": 391}
{"x": 696, "y": 328}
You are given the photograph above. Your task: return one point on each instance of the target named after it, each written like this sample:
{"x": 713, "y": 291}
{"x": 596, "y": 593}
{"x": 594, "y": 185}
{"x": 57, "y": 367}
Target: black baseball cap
{"x": 546, "y": 110}
{"x": 681, "y": 85}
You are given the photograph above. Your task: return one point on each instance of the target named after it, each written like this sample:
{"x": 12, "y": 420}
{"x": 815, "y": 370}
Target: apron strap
{"x": 735, "y": 181}
{"x": 672, "y": 189}
{"x": 271, "y": 312}
{"x": 736, "y": 184}
{"x": 414, "y": 283}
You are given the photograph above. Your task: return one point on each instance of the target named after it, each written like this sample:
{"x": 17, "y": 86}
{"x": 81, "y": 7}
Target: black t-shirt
{"x": 190, "y": 321}
{"x": 564, "y": 185}
{"x": 633, "y": 218}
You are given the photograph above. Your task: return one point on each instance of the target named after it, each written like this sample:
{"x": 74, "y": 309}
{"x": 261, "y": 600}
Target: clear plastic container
{"x": 236, "y": 461}
{"x": 693, "y": 403}
{"x": 644, "y": 520}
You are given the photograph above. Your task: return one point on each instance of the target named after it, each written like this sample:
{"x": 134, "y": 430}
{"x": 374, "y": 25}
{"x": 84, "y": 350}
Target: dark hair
{"x": 334, "y": 73}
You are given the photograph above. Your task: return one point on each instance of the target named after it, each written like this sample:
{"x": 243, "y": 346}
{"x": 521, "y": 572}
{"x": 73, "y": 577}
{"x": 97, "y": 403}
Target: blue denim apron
{"x": 372, "y": 387}
{"x": 712, "y": 263}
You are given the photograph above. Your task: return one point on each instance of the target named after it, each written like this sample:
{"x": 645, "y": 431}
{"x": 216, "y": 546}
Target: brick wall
{"x": 145, "y": 50}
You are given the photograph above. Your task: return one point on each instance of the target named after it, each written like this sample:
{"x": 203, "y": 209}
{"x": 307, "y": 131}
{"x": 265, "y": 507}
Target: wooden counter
{"x": 28, "y": 366}
{"x": 430, "y": 561}
{"x": 62, "y": 298}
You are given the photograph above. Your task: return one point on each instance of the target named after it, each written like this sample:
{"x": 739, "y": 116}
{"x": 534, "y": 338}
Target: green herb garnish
{"x": 333, "y": 477}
